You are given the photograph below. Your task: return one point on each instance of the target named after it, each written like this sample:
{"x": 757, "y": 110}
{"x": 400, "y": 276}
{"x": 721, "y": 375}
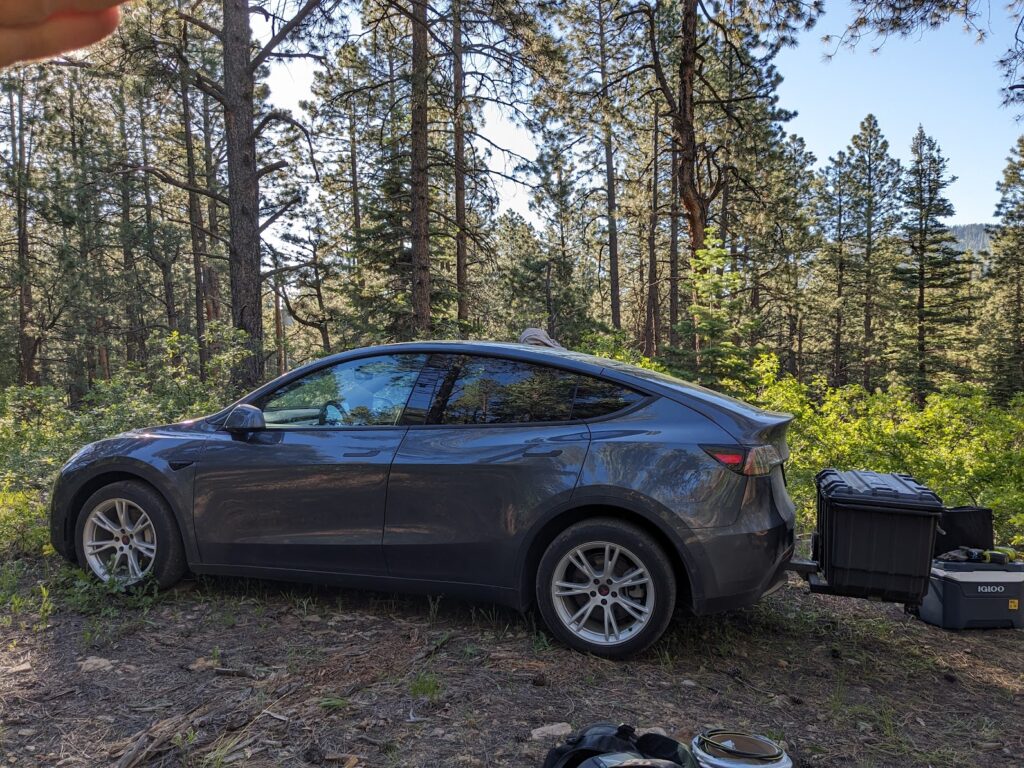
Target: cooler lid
{"x": 952, "y": 566}
{"x": 874, "y": 489}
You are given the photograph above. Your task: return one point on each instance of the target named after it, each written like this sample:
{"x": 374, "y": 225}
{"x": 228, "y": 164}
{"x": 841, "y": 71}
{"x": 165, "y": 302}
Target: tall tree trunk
{"x": 353, "y": 170}
{"x": 28, "y": 342}
{"x": 135, "y": 332}
{"x": 420, "y": 177}
{"x": 459, "y": 115}
{"x": 210, "y": 281}
{"x": 838, "y": 364}
{"x": 611, "y": 205}
{"x": 195, "y": 218}
{"x": 673, "y": 255}
{"x": 282, "y": 358}
{"x": 243, "y": 189}
{"x": 867, "y": 376}
{"x": 651, "y": 327}
{"x": 921, "y": 384}
{"x": 163, "y": 260}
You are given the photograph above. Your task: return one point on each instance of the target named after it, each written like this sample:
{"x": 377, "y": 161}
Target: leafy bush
{"x": 961, "y": 444}
{"x": 39, "y": 430}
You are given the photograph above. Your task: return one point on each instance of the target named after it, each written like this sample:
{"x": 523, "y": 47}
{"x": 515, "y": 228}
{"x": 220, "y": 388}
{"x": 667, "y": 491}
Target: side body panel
{"x": 304, "y": 500}
{"x": 732, "y": 533}
{"x": 462, "y": 498}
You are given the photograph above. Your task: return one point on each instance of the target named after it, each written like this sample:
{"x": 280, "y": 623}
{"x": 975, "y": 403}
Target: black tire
{"x": 638, "y": 546}
{"x": 169, "y": 563}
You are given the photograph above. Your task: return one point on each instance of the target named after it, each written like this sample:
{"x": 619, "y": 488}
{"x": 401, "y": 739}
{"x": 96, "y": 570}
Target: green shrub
{"x": 23, "y": 525}
{"x": 961, "y": 444}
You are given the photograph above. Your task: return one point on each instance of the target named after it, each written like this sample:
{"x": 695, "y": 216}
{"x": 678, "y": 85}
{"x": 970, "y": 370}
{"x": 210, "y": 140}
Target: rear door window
{"x": 491, "y": 390}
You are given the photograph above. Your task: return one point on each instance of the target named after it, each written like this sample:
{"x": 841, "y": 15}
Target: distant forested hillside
{"x": 972, "y": 237}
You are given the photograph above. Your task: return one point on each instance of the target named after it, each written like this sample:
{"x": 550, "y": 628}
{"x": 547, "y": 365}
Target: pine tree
{"x": 875, "y": 179}
{"x": 1007, "y": 275}
{"x": 933, "y": 274}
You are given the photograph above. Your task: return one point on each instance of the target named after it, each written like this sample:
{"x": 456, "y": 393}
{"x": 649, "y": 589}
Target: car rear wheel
{"x": 606, "y": 587}
{"x": 126, "y": 534}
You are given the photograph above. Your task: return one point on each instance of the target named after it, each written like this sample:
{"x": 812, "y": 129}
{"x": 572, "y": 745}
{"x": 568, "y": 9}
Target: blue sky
{"x": 941, "y": 79}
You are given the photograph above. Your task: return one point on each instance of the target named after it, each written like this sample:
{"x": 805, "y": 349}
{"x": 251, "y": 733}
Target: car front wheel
{"x": 606, "y": 587}
{"x": 126, "y": 533}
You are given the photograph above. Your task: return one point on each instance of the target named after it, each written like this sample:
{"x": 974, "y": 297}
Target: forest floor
{"x": 220, "y": 672}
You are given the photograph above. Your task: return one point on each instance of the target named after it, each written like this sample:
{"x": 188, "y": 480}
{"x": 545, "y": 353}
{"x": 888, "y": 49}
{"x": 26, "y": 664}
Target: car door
{"x": 493, "y": 449}
{"x": 308, "y": 493}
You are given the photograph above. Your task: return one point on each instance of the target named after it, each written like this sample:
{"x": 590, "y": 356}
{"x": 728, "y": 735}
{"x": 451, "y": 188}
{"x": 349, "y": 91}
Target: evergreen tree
{"x": 875, "y": 182}
{"x": 1006, "y": 318}
{"x": 933, "y": 275}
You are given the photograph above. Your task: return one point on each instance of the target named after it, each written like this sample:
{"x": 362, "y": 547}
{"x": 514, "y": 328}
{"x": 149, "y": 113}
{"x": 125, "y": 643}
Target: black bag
{"x": 964, "y": 527}
{"x": 605, "y": 740}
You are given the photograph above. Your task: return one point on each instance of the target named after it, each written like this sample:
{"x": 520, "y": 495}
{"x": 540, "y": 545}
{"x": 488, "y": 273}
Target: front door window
{"x": 370, "y": 392}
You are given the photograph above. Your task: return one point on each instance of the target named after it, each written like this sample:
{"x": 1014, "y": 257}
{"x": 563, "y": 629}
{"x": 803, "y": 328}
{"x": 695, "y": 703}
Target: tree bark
{"x": 673, "y": 255}
{"x": 651, "y": 326}
{"x": 210, "y": 281}
{"x": 459, "y": 116}
{"x": 28, "y": 342}
{"x": 611, "y": 204}
{"x": 420, "y": 178}
{"x": 135, "y": 332}
{"x": 243, "y": 190}
{"x": 195, "y": 218}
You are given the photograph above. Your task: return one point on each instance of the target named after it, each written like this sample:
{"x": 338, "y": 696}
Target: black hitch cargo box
{"x": 974, "y": 596}
{"x": 875, "y": 535}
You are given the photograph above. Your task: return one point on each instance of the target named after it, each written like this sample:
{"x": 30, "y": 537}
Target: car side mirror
{"x": 245, "y": 418}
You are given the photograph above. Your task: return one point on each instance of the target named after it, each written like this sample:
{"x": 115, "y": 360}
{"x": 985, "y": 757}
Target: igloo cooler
{"x": 974, "y": 596}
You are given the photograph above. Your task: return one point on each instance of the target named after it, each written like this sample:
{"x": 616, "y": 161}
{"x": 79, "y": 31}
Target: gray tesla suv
{"x": 604, "y": 493}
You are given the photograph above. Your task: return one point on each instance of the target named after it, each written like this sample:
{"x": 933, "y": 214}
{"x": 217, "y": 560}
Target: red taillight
{"x": 755, "y": 461}
{"x": 733, "y": 458}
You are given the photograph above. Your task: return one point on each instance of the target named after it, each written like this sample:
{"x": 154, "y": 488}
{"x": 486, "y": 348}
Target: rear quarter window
{"x": 596, "y": 398}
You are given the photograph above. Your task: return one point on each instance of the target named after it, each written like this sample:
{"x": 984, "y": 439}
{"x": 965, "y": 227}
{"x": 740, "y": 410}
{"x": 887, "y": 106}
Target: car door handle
{"x": 360, "y": 454}
{"x": 542, "y": 454}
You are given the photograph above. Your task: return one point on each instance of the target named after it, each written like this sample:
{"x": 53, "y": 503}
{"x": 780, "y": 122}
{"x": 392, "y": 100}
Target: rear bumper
{"x": 736, "y": 565}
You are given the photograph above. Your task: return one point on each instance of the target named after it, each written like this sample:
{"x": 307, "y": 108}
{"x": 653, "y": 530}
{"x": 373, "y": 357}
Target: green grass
{"x": 426, "y": 685}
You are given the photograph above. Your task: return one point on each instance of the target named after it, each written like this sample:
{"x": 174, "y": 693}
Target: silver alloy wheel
{"x": 603, "y": 593}
{"x": 119, "y": 541}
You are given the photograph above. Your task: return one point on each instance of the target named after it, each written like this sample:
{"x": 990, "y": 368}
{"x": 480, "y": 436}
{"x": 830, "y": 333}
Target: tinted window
{"x": 596, "y": 398}
{"x": 359, "y": 393}
{"x": 488, "y": 390}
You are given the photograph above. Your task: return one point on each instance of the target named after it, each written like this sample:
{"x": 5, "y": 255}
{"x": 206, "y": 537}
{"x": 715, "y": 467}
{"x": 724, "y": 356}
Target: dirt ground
{"x": 221, "y": 672}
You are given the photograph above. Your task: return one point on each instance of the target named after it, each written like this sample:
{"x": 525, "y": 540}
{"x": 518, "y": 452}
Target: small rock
{"x": 688, "y": 684}
{"x": 24, "y": 667}
{"x": 553, "y": 731}
{"x": 26, "y": 732}
{"x": 202, "y": 663}
{"x": 95, "y": 664}
{"x": 312, "y": 619}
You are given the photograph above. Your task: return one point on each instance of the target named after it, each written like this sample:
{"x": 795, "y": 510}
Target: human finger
{"x": 61, "y": 33}
{"x": 21, "y": 13}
